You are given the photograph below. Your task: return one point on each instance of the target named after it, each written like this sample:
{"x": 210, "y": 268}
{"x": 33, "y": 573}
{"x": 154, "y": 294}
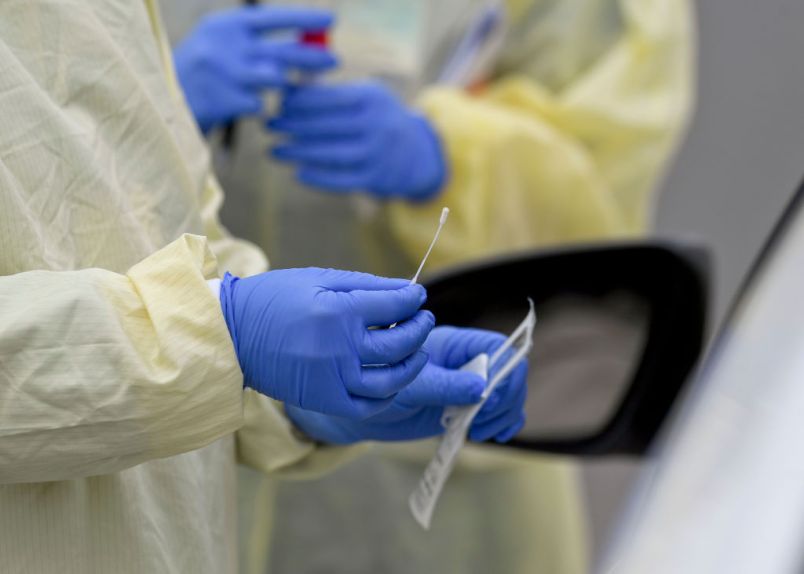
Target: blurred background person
{"x": 538, "y": 122}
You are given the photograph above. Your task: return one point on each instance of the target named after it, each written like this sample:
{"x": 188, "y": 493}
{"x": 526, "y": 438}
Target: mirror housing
{"x": 669, "y": 277}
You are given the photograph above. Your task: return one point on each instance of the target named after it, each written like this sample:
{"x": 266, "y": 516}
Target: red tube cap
{"x": 318, "y": 38}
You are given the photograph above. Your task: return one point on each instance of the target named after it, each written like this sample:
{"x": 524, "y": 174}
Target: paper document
{"x": 458, "y": 420}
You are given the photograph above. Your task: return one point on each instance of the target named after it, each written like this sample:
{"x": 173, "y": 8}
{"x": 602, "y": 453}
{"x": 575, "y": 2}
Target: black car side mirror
{"x": 620, "y": 328}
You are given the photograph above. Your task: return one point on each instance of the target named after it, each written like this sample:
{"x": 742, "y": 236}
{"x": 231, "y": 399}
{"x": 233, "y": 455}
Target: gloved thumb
{"x": 439, "y": 387}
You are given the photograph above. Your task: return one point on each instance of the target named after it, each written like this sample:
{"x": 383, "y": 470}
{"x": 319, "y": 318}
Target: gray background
{"x": 741, "y": 163}
{"x": 745, "y": 153}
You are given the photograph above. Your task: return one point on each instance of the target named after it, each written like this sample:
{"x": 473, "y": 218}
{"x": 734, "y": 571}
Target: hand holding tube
{"x": 229, "y": 60}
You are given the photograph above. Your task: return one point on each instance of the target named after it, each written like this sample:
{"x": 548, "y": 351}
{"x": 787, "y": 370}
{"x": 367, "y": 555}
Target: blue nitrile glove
{"x": 416, "y": 412}
{"x": 359, "y": 137}
{"x": 228, "y": 60}
{"x": 302, "y": 337}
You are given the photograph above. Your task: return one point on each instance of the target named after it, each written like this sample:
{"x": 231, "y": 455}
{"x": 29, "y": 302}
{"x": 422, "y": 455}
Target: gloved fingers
{"x": 334, "y": 180}
{"x": 501, "y": 426}
{"x": 311, "y": 128}
{"x": 294, "y": 55}
{"x": 508, "y": 397}
{"x": 318, "y": 99}
{"x": 238, "y": 103}
{"x": 387, "y": 381}
{"x": 380, "y": 308}
{"x": 472, "y": 342}
{"x": 439, "y": 387}
{"x": 507, "y": 435}
{"x": 389, "y": 346}
{"x": 453, "y": 347}
{"x": 330, "y": 154}
{"x": 260, "y": 75}
{"x": 347, "y": 281}
{"x": 262, "y": 19}
{"x": 516, "y": 379}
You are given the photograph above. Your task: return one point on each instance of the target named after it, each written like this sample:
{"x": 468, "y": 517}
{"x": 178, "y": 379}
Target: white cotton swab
{"x": 441, "y": 222}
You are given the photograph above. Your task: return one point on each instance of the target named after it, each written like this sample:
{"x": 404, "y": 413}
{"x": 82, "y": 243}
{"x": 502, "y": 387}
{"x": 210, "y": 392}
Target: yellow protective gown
{"x": 120, "y": 393}
{"x": 570, "y": 139}
{"x": 565, "y": 143}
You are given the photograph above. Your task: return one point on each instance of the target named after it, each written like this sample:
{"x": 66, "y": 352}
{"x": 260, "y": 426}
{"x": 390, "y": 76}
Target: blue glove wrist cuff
{"x": 228, "y": 308}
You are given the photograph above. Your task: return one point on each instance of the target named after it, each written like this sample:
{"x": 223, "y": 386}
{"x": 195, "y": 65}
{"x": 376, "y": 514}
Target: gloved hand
{"x": 302, "y": 337}
{"x": 359, "y": 137}
{"x": 416, "y": 412}
{"x": 227, "y": 62}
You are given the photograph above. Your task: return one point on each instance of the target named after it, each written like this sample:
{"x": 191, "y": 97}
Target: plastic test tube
{"x": 314, "y": 39}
